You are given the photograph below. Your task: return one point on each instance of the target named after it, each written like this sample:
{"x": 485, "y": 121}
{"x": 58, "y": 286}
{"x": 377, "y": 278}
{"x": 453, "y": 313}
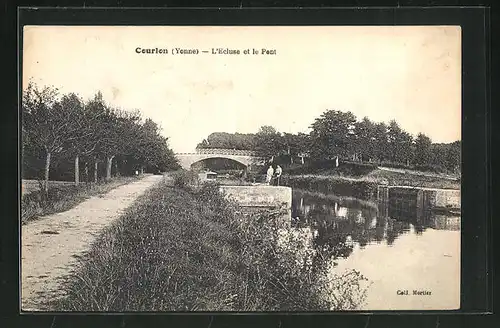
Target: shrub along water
{"x": 191, "y": 249}
{"x": 364, "y": 188}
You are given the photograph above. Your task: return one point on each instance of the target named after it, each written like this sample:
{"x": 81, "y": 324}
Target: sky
{"x": 408, "y": 73}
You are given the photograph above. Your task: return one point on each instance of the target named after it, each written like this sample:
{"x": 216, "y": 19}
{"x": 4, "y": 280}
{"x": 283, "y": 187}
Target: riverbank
{"x": 393, "y": 246}
{"x": 62, "y": 196}
{"x": 365, "y": 186}
{"x": 361, "y": 188}
{"x": 415, "y": 179}
{"x": 49, "y": 247}
{"x": 184, "y": 249}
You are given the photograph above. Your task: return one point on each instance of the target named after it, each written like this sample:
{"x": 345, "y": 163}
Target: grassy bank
{"x": 414, "y": 180}
{"x": 184, "y": 249}
{"x": 355, "y": 168}
{"x": 362, "y": 188}
{"x": 63, "y": 196}
{"x": 328, "y": 167}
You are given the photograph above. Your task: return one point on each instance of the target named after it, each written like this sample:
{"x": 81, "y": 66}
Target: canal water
{"x": 409, "y": 256}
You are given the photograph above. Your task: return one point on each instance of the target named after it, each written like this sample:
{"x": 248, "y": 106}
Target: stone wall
{"x": 260, "y": 196}
{"x": 428, "y": 197}
{"x": 446, "y": 198}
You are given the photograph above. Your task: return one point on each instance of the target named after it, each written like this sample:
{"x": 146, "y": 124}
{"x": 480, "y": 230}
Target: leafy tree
{"x": 446, "y": 156}
{"x": 405, "y": 148}
{"x": 438, "y": 154}
{"x": 400, "y": 144}
{"x": 117, "y": 133}
{"x": 269, "y": 142}
{"x": 46, "y": 123}
{"x": 303, "y": 145}
{"x": 423, "y": 152}
{"x": 83, "y": 125}
{"x": 295, "y": 144}
{"x": 228, "y": 141}
{"x": 336, "y": 133}
{"x": 97, "y": 108}
{"x": 290, "y": 142}
{"x": 453, "y": 156}
{"x": 150, "y": 149}
{"x": 365, "y": 137}
{"x": 62, "y": 129}
{"x": 380, "y": 142}
{"x": 331, "y": 135}
{"x": 393, "y": 136}
{"x": 219, "y": 140}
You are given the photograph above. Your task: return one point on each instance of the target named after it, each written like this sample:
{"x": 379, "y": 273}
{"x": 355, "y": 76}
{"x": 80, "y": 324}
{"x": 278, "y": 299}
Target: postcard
{"x": 240, "y": 168}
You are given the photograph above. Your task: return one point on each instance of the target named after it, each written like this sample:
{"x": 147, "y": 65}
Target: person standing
{"x": 269, "y": 176}
{"x": 279, "y": 171}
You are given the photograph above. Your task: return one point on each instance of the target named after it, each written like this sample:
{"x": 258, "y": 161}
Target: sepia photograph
{"x": 240, "y": 168}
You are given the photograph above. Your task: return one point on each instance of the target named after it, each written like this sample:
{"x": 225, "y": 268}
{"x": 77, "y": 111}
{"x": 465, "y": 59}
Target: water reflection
{"x": 339, "y": 223}
{"x": 350, "y": 234}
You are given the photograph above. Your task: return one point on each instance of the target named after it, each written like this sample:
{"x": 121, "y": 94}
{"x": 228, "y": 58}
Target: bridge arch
{"x": 216, "y": 162}
{"x": 246, "y": 158}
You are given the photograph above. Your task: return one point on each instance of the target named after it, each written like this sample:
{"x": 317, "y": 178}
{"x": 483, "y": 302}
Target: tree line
{"x": 67, "y": 132}
{"x": 341, "y": 134}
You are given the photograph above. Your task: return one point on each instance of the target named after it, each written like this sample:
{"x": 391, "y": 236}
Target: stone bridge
{"x": 245, "y": 157}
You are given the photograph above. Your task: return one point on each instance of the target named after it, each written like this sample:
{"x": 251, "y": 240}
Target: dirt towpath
{"x": 50, "y": 246}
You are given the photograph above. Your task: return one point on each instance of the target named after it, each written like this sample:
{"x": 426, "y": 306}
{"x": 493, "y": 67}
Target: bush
{"x": 184, "y": 179}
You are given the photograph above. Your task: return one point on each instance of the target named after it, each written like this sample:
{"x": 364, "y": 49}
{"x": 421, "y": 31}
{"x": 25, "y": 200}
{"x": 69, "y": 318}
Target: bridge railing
{"x": 221, "y": 151}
